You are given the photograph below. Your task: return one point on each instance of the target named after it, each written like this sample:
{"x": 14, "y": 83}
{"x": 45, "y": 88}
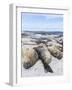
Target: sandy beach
{"x": 37, "y": 69}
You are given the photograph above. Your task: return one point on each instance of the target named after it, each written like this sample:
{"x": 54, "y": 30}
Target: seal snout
{"x": 26, "y": 65}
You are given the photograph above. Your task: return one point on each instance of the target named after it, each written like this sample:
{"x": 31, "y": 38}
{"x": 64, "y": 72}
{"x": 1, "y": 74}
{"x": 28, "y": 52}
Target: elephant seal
{"x": 55, "y": 51}
{"x": 29, "y": 57}
{"x": 44, "y": 56}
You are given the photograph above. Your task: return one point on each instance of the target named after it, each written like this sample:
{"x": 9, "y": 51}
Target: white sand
{"x": 38, "y": 69}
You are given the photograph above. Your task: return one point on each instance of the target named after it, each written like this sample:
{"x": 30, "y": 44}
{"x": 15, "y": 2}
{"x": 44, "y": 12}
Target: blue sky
{"x": 41, "y": 22}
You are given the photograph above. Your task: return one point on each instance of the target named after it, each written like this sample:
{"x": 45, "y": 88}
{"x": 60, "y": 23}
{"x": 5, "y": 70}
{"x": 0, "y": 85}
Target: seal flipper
{"x": 47, "y": 67}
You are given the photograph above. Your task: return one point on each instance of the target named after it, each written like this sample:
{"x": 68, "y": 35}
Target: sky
{"x": 41, "y": 22}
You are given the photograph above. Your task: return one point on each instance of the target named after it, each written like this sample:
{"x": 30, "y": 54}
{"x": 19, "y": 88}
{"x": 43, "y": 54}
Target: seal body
{"x": 55, "y": 51}
{"x": 29, "y": 57}
{"x": 45, "y": 57}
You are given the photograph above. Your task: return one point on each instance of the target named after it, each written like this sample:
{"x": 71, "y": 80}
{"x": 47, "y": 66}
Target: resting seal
{"x": 45, "y": 56}
{"x": 55, "y": 51}
{"x": 29, "y": 57}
